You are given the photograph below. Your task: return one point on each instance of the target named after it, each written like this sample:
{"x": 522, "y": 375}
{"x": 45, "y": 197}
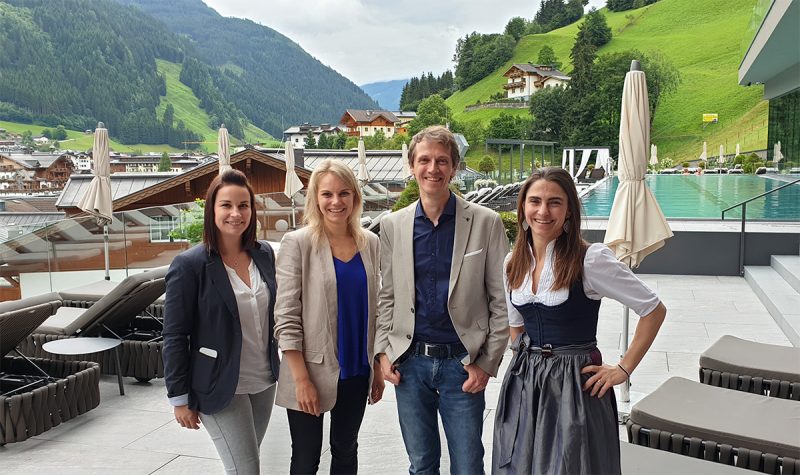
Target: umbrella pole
{"x": 625, "y": 390}
{"x": 294, "y": 219}
{"x": 105, "y": 248}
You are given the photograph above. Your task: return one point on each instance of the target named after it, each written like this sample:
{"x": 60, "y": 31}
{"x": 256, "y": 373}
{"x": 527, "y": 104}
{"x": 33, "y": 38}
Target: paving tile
{"x": 760, "y": 333}
{"x": 185, "y": 465}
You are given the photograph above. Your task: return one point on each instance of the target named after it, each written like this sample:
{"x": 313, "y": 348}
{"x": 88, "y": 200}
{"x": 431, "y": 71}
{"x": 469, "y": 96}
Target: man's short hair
{"x": 438, "y": 134}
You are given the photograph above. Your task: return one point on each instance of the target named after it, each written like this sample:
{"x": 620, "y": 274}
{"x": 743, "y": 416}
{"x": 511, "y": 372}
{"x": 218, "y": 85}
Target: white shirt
{"x": 253, "y": 304}
{"x": 603, "y": 276}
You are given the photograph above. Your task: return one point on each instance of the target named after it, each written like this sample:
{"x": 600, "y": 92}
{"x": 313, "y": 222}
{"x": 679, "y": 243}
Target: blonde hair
{"x": 313, "y": 216}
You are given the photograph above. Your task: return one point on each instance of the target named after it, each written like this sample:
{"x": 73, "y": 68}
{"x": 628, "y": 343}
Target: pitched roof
{"x": 122, "y": 185}
{"x": 541, "y": 70}
{"x": 369, "y": 115}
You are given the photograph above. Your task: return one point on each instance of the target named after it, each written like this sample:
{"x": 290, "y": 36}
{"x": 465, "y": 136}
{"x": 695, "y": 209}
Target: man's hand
{"x": 389, "y": 371}
{"x": 186, "y": 417}
{"x": 477, "y": 380}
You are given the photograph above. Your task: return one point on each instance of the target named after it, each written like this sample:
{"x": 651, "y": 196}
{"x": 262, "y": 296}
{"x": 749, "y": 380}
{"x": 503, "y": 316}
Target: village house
{"x": 403, "y": 119}
{"x": 525, "y": 79}
{"x": 366, "y": 123}
{"x": 149, "y": 163}
{"x": 297, "y": 134}
{"x": 23, "y": 172}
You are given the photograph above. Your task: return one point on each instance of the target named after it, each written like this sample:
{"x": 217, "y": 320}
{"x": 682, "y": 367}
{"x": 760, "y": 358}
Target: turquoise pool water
{"x": 691, "y": 196}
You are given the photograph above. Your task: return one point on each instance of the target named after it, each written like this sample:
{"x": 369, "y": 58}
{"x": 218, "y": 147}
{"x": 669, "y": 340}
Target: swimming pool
{"x": 705, "y": 196}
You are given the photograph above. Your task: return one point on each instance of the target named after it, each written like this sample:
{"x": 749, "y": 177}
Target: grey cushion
{"x": 13, "y": 305}
{"x": 63, "y": 319}
{"x": 125, "y": 301}
{"x": 730, "y": 417}
{"x": 639, "y": 460}
{"x": 18, "y": 318}
{"x": 744, "y": 357}
{"x": 94, "y": 291}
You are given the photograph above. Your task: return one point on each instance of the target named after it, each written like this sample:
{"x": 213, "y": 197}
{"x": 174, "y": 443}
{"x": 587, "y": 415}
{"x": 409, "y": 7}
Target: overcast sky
{"x": 379, "y": 40}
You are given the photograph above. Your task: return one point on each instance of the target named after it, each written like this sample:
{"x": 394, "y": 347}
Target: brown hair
{"x": 438, "y": 134}
{"x": 231, "y": 177}
{"x": 313, "y": 216}
{"x": 570, "y": 247}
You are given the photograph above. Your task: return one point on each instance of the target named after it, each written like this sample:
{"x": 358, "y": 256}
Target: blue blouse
{"x": 353, "y": 312}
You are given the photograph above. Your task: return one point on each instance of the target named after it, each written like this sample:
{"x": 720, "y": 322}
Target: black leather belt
{"x": 436, "y": 350}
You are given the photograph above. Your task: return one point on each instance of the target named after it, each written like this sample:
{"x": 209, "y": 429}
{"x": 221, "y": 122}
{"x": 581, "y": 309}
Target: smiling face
{"x": 335, "y": 200}
{"x": 232, "y": 211}
{"x": 433, "y": 168}
{"x": 546, "y": 210}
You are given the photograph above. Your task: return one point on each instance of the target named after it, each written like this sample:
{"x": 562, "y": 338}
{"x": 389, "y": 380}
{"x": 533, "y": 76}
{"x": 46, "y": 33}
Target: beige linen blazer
{"x": 306, "y": 312}
{"x": 476, "y": 299}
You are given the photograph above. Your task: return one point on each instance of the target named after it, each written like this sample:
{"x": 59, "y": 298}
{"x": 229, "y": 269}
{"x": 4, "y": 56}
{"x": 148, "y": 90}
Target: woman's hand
{"x": 307, "y": 397}
{"x": 604, "y": 378}
{"x": 376, "y": 392}
{"x": 186, "y": 417}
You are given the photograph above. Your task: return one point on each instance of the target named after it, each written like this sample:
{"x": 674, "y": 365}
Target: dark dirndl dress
{"x": 545, "y": 422}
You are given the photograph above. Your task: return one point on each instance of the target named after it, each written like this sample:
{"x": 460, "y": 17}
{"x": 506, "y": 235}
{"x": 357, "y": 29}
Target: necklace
{"x": 232, "y": 261}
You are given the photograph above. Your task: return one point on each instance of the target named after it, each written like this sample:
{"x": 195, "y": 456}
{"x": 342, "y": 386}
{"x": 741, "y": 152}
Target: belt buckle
{"x": 547, "y": 350}
{"x": 430, "y": 351}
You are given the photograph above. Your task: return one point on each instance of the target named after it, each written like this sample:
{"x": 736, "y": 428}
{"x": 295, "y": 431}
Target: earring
{"x": 566, "y": 226}
{"x": 525, "y": 225}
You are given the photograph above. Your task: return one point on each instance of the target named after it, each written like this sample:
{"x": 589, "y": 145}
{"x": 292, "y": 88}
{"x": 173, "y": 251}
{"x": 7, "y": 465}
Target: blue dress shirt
{"x": 433, "y": 255}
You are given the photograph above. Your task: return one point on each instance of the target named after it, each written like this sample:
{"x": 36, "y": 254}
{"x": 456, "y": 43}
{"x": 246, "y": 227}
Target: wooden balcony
{"x": 514, "y": 85}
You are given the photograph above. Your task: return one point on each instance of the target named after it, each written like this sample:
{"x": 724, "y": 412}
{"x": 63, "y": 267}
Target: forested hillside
{"x": 268, "y": 76}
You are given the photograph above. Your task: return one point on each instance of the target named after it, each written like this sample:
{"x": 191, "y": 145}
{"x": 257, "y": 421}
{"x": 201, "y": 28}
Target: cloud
{"x": 375, "y": 40}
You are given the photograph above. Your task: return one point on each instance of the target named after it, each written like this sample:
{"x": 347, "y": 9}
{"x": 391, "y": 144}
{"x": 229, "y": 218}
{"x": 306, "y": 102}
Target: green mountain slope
{"x": 268, "y": 76}
{"x": 187, "y": 109}
{"x": 702, "y": 39}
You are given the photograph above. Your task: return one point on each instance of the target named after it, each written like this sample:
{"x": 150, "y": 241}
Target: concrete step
{"x": 779, "y": 297}
{"x": 789, "y": 268}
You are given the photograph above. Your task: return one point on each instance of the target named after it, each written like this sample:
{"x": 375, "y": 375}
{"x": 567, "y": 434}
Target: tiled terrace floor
{"x": 136, "y": 433}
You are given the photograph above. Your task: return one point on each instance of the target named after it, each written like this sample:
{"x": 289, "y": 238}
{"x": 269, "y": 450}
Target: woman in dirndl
{"x": 557, "y": 412}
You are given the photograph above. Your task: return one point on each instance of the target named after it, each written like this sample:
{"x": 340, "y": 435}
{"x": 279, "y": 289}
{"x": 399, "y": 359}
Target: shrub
{"x": 685, "y": 164}
{"x": 510, "y": 223}
{"x": 485, "y": 183}
{"x": 738, "y": 159}
{"x": 702, "y": 165}
{"x": 191, "y": 227}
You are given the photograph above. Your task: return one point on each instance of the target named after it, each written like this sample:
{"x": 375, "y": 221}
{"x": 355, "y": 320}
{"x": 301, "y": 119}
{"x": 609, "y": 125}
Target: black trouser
{"x": 346, "y": 417}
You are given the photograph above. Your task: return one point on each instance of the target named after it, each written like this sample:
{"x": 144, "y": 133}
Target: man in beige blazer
{"x": 442, "y": 323}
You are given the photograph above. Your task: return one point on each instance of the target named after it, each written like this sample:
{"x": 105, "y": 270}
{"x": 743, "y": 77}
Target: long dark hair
{"x": 570, "y": 247}
{"x": 231, "y": 177}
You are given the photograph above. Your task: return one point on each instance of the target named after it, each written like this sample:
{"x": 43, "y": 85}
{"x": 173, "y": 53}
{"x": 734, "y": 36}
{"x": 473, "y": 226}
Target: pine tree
{"x": 165, "y": 164}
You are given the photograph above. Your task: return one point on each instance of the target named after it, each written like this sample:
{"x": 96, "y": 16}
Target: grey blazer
{"x": 476, "y": 299}
{"x": 306, "y": 312}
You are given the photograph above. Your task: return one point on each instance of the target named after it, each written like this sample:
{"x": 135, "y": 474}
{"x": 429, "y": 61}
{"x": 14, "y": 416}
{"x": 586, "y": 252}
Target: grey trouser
{"x": 237, "y": 430}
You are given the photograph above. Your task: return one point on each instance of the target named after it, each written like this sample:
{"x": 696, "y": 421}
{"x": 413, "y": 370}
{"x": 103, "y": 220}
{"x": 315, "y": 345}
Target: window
{"x": 161, "y": 226}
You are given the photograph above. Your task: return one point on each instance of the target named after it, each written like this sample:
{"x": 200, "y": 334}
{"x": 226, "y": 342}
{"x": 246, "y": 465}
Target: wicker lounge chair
{"x": 37, "y": 394}
{"x": 770, "y": 370}
{"x": 113, "y": 315}
{"x": 720, "y": 425}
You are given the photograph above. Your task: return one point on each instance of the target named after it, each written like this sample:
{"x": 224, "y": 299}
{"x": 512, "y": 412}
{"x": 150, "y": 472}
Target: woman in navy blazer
{"x": 220, "y": 358}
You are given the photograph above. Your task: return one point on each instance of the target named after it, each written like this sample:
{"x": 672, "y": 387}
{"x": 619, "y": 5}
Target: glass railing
{"x": 71, "y": 252}
{"x": 760, "y": 11}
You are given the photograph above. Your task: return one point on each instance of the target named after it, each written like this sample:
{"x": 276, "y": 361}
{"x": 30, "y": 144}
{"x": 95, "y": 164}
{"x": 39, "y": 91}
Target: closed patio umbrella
{"x": 704, "y": 155}
{"x": 363, "y": 173}
{"x": 223, "y": 150}
{"x": 738, "y": 151}
{"x": 293, "y": 183}
{"x": 97, "y": 199}
{"x": 777, "y": 156}
{"x": 721, "y": 154}
{"x": 636, "y": 225}
{"x": 653, "y": 155}
{"x": 406, "y": 167}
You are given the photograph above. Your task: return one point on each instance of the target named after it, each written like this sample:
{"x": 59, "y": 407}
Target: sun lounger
{"x": 760, "y": 368}
{"x": 719, "y": 425}
{"x": 639, "y": 460}
{"x": 37, "y": 394}
{"x": 113, "y": 315}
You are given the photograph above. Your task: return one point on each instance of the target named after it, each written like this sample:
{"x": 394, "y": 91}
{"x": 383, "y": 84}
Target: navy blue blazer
{"x": 202, "y": 332}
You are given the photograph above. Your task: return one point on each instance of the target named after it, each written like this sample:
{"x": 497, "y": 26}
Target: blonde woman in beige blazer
{"x": 325, "y": 309}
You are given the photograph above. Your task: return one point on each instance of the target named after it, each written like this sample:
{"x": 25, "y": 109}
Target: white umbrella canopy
{"x": 223, "y": 150}
{"x": 777, "y": 156}
{"x": 363, "y": 173}
{"x": 293, "y": 183}
{"x": 704, "y": 155}
{"x": 97, "y": 199}
{"x": 636, "y": 226}
{"x": 406, "y": 167}
{"x": 721, "y": 154}
{"x": 738, "y": 150}
{"x": 653, "y": 155}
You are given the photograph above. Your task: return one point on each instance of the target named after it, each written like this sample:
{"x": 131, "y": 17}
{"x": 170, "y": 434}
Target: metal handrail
{"x": 743, "y": 204}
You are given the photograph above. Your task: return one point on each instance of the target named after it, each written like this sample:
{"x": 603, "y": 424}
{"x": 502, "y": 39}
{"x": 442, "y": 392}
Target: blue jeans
{"x": 428, "y": 384}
